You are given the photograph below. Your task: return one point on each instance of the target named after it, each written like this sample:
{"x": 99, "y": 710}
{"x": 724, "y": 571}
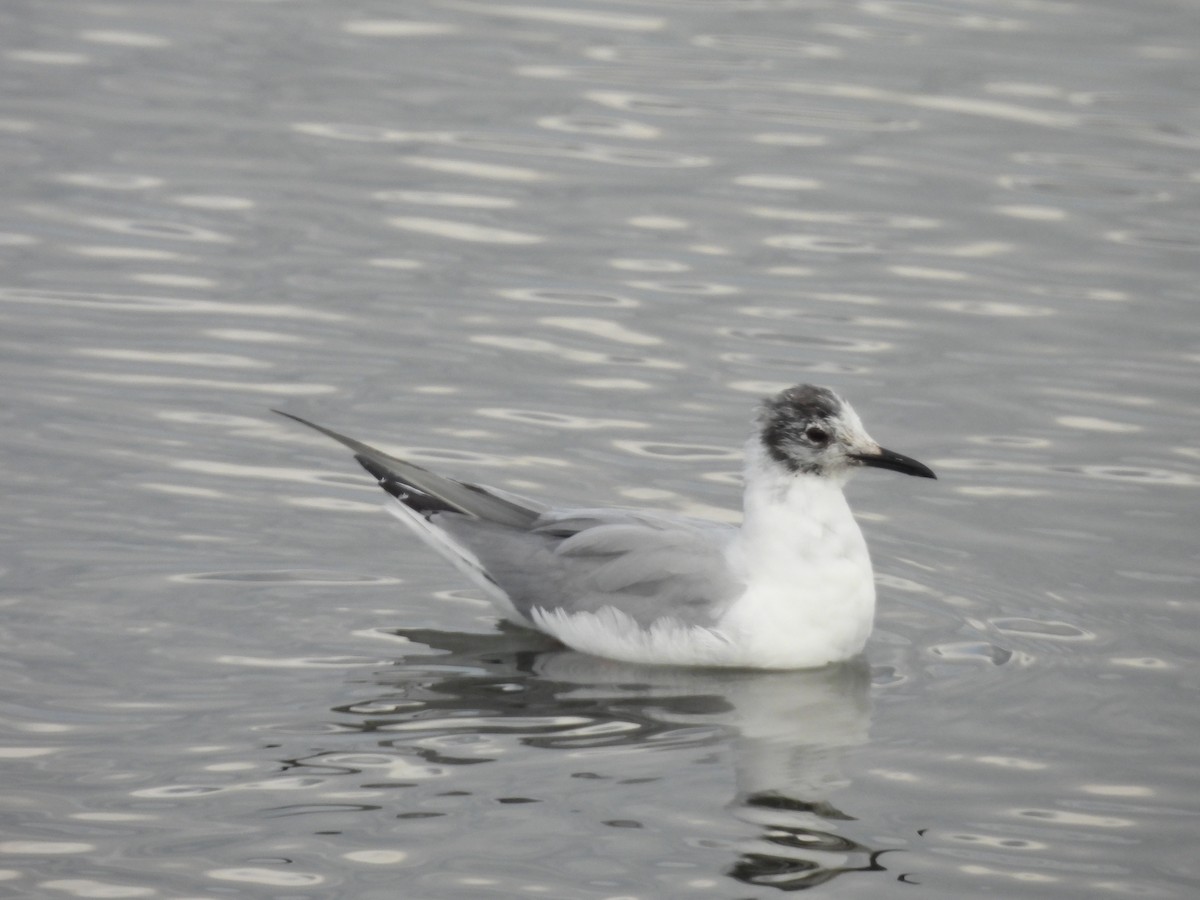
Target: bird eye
{"x": 816, "y": 434}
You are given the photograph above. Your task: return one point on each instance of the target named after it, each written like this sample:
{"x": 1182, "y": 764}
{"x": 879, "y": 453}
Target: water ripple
{"x": 601, "y": 125}
{"x": 570, "y": 354}
{"x": 563, "y": 15}
{"x": 464, "y": 231}
{"x": 556, "y": 420}
{"x": 138, "y": 303}
{"x": 568, "y": 297}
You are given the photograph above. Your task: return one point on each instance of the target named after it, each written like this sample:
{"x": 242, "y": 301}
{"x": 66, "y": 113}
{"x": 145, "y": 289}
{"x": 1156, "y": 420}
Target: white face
{"x": 811, "y": 430}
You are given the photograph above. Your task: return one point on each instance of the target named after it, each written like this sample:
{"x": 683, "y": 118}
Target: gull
{"x": 790, "y": 588}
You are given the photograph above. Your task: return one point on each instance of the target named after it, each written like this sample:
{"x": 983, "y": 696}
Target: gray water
{"x": 562, "y": 248}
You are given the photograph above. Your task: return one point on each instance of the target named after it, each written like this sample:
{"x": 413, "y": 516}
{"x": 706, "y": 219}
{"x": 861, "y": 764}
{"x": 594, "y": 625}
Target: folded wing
{"x": 649, "y": 566}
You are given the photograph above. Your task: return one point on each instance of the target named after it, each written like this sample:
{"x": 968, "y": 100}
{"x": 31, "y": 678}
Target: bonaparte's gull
{"x": 791, "y": 588}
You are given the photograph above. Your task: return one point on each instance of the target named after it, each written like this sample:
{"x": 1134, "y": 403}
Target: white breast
{"x": 810, "y": 590}
{"x": 809, "y": 596}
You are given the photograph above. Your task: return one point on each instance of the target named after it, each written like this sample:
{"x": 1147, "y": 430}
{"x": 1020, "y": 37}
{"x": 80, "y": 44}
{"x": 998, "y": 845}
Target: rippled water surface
{"x": 562, "y": 248}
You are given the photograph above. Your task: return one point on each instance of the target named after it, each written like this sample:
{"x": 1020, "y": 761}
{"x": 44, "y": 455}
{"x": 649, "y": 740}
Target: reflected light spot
{"x": 993, "y": 308}
{"x": 298, "y": 662}
{"x": 1033, "y": 213}
{"x": 854, "y": 219}
{"x": 128, "y": 253}
{"x": 1015, "y": 876}
{"x": 975, "y": 250}
{"x": 86, "y": 887}
{"x": 1160, "y": 51}
{"x": 568, "y": 297}
{"x": 893, "y": 775}
{"x": 778, "y": 182}
{"x": 1078, "y": 819}
{"x": 818, "y": 243}
{"x": 9, "y": 239}
{"x": 1023, "y": 89}
{"x": 45, "y": 847}
{"x": 273, "y": 877}
{"x": 607, "y": 127}
{"x": 1145, "y": 662}
{"x": 1118, "y": 790}
{"x": 790, "y": 140}
{"x": 49, "y": 57}
{"x": 659, "y": 223}
{"x": 648, "y": 495}
{"x": 125, "y": 38}
{"x": 1143, "y": 474}
{"x": 568, "y": 16}
{"x": 601, "y": 328}
{"x": 166, "y": 279}
{"x": 931, "y": 15}
{"x": 363, "y": 133}
{"x": 182, "y": 490}
{"x": 281, "y": 389}
{"x": 649, "y": 265}
{"x": 1088, "y": 423}
{"x": 682, "y": 287}
{"x": 26, "y": 752}
{"x": 110, "y": 181}
{"x": 556, "y": 420}
{"x": 492, "y": 171}
{"x": 1108, "y": 397}
{"x": 1011, "y": 762}
{"x": 173, "y": 231}
{"x": 252, "y": 336}
{"x": 928, "y": 273}
{"x": 376, "y": 857}
{"x": 214, "y": 202}
{"x": 397, "y": 28}
{"x": 445, "y": 198}
{"x": 665, "y": 450}
{"x": 396, "y": 263}
{"x": 995, "y": 491}
{"x": 612, "y": 384}
{"x": 535, "y": 345}
{"x": 464, "y": 231}
{"x": 653, "y": 104}
{"x": 332, "y": 504}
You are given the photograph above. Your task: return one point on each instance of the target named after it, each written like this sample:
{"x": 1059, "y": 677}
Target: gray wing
{"x": 648, "y": 565}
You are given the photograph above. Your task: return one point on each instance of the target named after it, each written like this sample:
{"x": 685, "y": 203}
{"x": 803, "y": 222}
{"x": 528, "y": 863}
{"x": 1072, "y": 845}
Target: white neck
{"x": 801, "y": 511}
{"x": 809, "y": 585}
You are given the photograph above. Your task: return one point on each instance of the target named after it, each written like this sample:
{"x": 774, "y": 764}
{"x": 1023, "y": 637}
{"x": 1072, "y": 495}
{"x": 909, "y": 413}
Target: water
{"x": 562, "y": 248}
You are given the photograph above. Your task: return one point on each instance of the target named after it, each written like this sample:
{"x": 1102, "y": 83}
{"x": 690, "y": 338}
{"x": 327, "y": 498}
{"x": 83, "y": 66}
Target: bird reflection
{"x": 788, "y": 730}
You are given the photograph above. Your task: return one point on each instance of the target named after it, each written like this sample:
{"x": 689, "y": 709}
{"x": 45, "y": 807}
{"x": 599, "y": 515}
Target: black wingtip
{"x": 414, "y": 499}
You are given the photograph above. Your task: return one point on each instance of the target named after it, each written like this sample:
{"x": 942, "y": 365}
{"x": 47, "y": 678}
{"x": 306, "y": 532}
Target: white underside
{"x": 615, "y": 635}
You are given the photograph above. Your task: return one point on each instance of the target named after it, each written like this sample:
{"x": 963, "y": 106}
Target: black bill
{"x": 897, "y": 462}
